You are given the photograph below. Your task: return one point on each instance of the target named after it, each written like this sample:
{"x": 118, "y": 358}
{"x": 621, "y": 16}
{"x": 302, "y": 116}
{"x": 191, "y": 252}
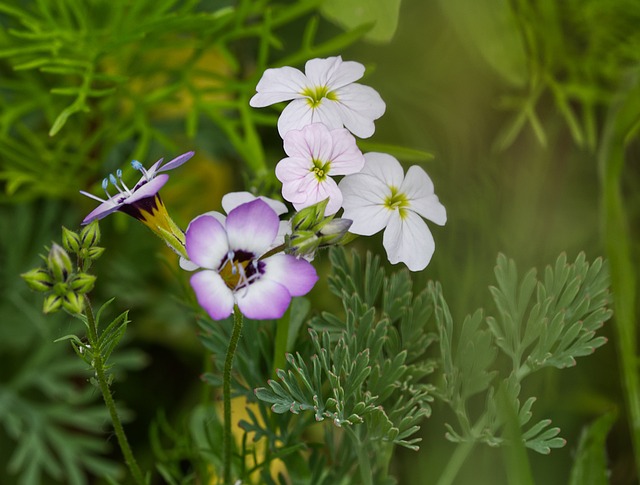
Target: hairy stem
{"x": 98, "y": 366}
{"x": 226, "y": 392}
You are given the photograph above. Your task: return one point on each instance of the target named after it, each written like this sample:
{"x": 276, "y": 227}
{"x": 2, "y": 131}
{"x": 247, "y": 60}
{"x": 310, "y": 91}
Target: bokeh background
{"x": 511, "y": 97}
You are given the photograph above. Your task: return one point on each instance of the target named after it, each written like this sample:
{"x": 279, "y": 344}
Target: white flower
{"x": 315, "y": 154}
{"x": 380, "y": 197}
{"x": 325, "y": 93}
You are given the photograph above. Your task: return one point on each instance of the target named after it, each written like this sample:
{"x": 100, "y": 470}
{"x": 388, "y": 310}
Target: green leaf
{"x": 383, "y": 14}
{"x": 590, "y": 463}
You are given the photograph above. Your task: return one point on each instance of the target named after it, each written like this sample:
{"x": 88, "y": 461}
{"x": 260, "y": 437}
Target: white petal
{"x": 346, "y": 157}
{"x": 316, "y": 191}
{"x": 359, "y": 107}
{"x": 418, "y": 188}
{"x": 363, "y": 202}
{"x": 333, "y": 72}
{"x": 213, "y": 294}
{"x": 233, "y": 199}
{"x": 408, "y": 240}
{"x": 187, "y": 265}
{"x": 385, "y": 168}
{"x": 328, "y": 113}
{"x": 280, "y": 84}
{"x": 206, "y": 242}
{"x": 295, "y": 116}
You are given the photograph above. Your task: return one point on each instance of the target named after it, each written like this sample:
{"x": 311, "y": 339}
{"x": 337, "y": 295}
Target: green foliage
{"x": 590, "y": 465}
{"x": 552, "y": 330}
{"x": 112, "y": 80}
{"x": 381, "y": 14}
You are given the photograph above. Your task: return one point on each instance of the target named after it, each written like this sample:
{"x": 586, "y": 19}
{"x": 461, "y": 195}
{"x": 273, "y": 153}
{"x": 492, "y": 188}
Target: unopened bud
{"x": 73, "y": 303}
{"x": 38, "y": 279}
{"x": 59, "y": 263}
{"x": 94, "y": 253}
{"x": 82, "y": 283}
{"x": 90, "y": 235}
{"x": 303, "y": 243}
{"x": 333, "y": 231}
{"x": 308, "y": 217}
{"x": 70, "y": 240}
{"x": 52, "y": 303}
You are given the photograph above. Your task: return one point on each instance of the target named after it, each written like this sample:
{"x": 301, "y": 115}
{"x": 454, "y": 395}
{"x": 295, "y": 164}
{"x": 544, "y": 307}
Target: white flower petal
{"x": 385, "y": 168}
{"x": 280, "y": 84}
{"x": 317, "y": 191}
{"x": 333, "y": 72}
{"x": 408, "y": 240}
{"x": 233, "y": 199}
{"x": 363, "y": 202}
{"x": 359, "y": 107}
{"x": 206, "y": 242}
{"x": 328, "y": 113}
{"x": 346, "y": 157}
{"x": 187, "y": 265}
{"x": 418, "y": 188}
{"x": 295, "y": 116}
{"x": 213, "y": 294}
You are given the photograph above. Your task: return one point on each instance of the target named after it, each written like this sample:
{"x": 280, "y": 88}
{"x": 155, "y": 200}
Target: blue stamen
{"x": 113, "y": 180}
{"x": 136, "y": 165}
{"x": 105, "y": 184}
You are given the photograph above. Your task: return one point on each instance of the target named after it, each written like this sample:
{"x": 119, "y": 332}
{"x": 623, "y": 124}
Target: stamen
{"x": 119, "y": 174}
{"x": 94, "y": 197}
{"x": 138, "y": 166}
{"x": 105, "y": 184}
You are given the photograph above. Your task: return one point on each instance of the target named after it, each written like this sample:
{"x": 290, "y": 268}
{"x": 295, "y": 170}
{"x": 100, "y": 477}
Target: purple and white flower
{"x": 382, "y": 197}
{"x": 325, "y": 93}
{"x": 233, "y": 272}
{"x": 142, "y": 198}
{"x": 315, "y": 154}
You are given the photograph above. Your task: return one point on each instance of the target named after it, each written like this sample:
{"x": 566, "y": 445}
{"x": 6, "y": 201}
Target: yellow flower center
{"x": 320, "y": 169}
{"x": 397, "y": 201}
{"x": 316, "y": 94}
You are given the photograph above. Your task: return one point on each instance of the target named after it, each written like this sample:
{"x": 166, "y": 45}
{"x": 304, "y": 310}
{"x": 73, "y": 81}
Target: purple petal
{"x": 148, "y": 190}
{"x": 176, "y": 162}
{"x": 263, "y": 300}
{"x": 297, "y": 275}
{"x": 213, "y": 294}
{"x": 103, "y": 210}
{"x": 206, "y": 242}
{"x": 252, "y": 227}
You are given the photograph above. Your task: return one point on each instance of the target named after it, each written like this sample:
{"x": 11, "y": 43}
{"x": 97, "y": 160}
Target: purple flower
{"x": 233, "y": 273}
{"x": 142, "y": 200}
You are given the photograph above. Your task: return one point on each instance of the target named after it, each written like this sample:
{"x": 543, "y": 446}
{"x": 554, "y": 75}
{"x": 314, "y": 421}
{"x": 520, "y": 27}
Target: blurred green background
{"x": 512, "y": 98}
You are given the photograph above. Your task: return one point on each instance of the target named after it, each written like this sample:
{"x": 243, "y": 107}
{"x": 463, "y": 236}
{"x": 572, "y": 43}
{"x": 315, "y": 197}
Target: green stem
{"x": 456, "y": 461}
{"x": 364, "y": 463}
{"x": 617, "y": 241}
{"x": 98, "y": 366}
{"x": 227, "y": 437}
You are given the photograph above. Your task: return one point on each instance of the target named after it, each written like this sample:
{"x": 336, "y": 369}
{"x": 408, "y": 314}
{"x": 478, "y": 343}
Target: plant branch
{"x": 227, "y": 437}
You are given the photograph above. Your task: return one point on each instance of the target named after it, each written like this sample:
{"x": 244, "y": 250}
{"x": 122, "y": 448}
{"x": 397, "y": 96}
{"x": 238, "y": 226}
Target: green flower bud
{"x": 52, "y": 303}
{"x": 309, "y": 216}
{"x": 70, "y": 240}
{"x": 82, "y": 283}
{"x": 59, "y": 263}
{"x": 38, "y": 279}
{"x": 303, "y": 243}
{"x": 90, "y": 235}
{"x": 333, "y": 231}
{"x": 94, "y": 253}
{"x": 60, "y": 288}
{"x": 73, "y": 303}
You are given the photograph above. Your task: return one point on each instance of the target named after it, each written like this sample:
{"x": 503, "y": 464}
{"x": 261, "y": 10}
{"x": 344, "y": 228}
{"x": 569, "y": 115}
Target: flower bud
{"x": 38, "y": 279}
{"x": 333, "y": 231}
{"x": 52, "y": 303}
{"x": 90, "y": 235}
{"x": 309, "y": 216}
{"x": 82, "y": 283}
{"x": 59, "y": 263}
{"x": 94, "y": 253}
{"x": 70, "y": 240}
{"x": 73, "y": 303}
{"x": 302, "y": 243}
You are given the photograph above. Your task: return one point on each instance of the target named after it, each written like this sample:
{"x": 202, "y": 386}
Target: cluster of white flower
{"x": 327, "y": 109}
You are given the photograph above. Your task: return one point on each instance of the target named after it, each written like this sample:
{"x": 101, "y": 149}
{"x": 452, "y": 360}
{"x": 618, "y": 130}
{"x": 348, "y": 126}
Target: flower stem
{"x": 364, "y": 463}
{"x": 98, "y": 366}
{"x": 454, "y": 464}
{"x": 226, "y": 392}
